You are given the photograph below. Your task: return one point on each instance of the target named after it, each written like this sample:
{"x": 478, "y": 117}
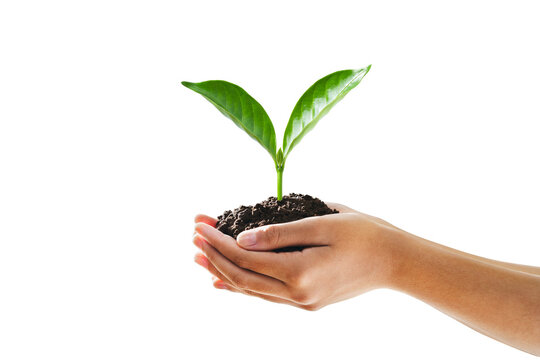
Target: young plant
{"x": 236, "y": 104}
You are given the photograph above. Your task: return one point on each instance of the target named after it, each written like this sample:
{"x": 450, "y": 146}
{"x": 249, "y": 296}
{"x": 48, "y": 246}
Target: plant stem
{"x": 279, "y": 182}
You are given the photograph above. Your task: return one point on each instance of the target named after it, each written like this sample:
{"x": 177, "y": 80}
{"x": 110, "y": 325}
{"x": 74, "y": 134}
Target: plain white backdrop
{"x": 105, "y": 159}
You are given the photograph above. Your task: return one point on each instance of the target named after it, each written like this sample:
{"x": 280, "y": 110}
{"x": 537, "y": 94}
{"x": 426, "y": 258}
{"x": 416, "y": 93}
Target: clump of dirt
{"x": 271, "y": 211}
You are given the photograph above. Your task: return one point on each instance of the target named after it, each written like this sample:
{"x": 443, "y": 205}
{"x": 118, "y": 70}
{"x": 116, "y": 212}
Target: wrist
{"x": 395, "y": 249}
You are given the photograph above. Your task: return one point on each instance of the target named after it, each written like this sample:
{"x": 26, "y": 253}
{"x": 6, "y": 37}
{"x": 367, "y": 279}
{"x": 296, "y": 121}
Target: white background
{"x": 105, "y": 158}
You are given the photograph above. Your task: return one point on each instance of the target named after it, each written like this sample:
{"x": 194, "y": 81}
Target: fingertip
{"x": 201, "y": 260}
{"x": 209, "y": 232}
{"x": 198, "y": 241}
{"x": 219, "y": 284}
{"x": 200, "y": 227}
{"x": 202, "y": 218}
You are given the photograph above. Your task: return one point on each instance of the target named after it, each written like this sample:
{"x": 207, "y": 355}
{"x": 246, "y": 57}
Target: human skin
{"x": 350, "y": 253}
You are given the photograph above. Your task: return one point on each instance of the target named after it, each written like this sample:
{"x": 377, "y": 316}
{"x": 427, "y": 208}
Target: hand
{"x": 349, "y": 253}
{"x": 346, "y": 254}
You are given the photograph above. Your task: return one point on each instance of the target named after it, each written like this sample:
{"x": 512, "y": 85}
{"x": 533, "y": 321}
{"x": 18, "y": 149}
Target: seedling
{"x": 236, "y": 104}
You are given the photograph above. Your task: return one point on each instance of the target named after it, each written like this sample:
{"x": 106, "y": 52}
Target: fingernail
{"x": 246, "y": 239}
{"x": 220, "y": 285}
{"x": 201, "y": 260}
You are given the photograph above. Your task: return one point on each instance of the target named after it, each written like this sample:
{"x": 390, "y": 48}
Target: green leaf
{"x": 316, "y": 102}
{"x": 236, "y": 104}
{"x": 279, "y": 158}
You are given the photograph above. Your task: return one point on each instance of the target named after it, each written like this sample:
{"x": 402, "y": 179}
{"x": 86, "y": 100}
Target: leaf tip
{"x": 186, "y": 84}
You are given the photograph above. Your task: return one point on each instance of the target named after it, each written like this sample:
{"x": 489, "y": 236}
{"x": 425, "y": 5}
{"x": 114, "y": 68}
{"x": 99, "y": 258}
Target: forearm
{"x": 497, "y": 301}
{"x": 517, "y": 267}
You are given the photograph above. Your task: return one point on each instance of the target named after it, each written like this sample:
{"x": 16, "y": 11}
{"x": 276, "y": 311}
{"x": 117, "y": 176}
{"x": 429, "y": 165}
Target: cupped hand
{"x": 344, "y": 255}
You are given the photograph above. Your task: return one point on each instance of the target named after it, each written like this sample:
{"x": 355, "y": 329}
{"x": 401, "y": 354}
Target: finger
{"x": 241, "y": 278}
{"x": 218, "y": 284}
{"x": 221, "y": 282}
{"x": 203, "y": 261}
{"x": 305, "y": 232}
{"x": 206, "y": 219}
{"x": 340, "y": 208}
{"x": 267, "y": 263}
{"x": 216, "y": 274}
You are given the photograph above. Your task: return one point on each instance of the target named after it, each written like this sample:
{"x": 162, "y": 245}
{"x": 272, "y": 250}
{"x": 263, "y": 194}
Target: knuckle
{"x": 311, "y": 307}
{"x": 239, "y": 260}
{"x": 299, "y": 279}
{"x": 238, "y": 281}
{"x": 302, "y": 297}
{"x": 271, "y": 235}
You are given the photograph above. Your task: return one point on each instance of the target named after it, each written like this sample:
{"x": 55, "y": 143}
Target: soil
{"x": 271, "y": 211}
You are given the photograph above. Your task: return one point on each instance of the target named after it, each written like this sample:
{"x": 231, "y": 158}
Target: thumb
{"x": 305, "y": 232}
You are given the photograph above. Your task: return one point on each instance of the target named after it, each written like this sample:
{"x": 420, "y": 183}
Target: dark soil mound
{"x": 292, "y": 207}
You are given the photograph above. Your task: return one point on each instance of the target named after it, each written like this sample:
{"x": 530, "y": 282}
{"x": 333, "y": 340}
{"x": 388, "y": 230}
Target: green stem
{"x": 279, "y": 182}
